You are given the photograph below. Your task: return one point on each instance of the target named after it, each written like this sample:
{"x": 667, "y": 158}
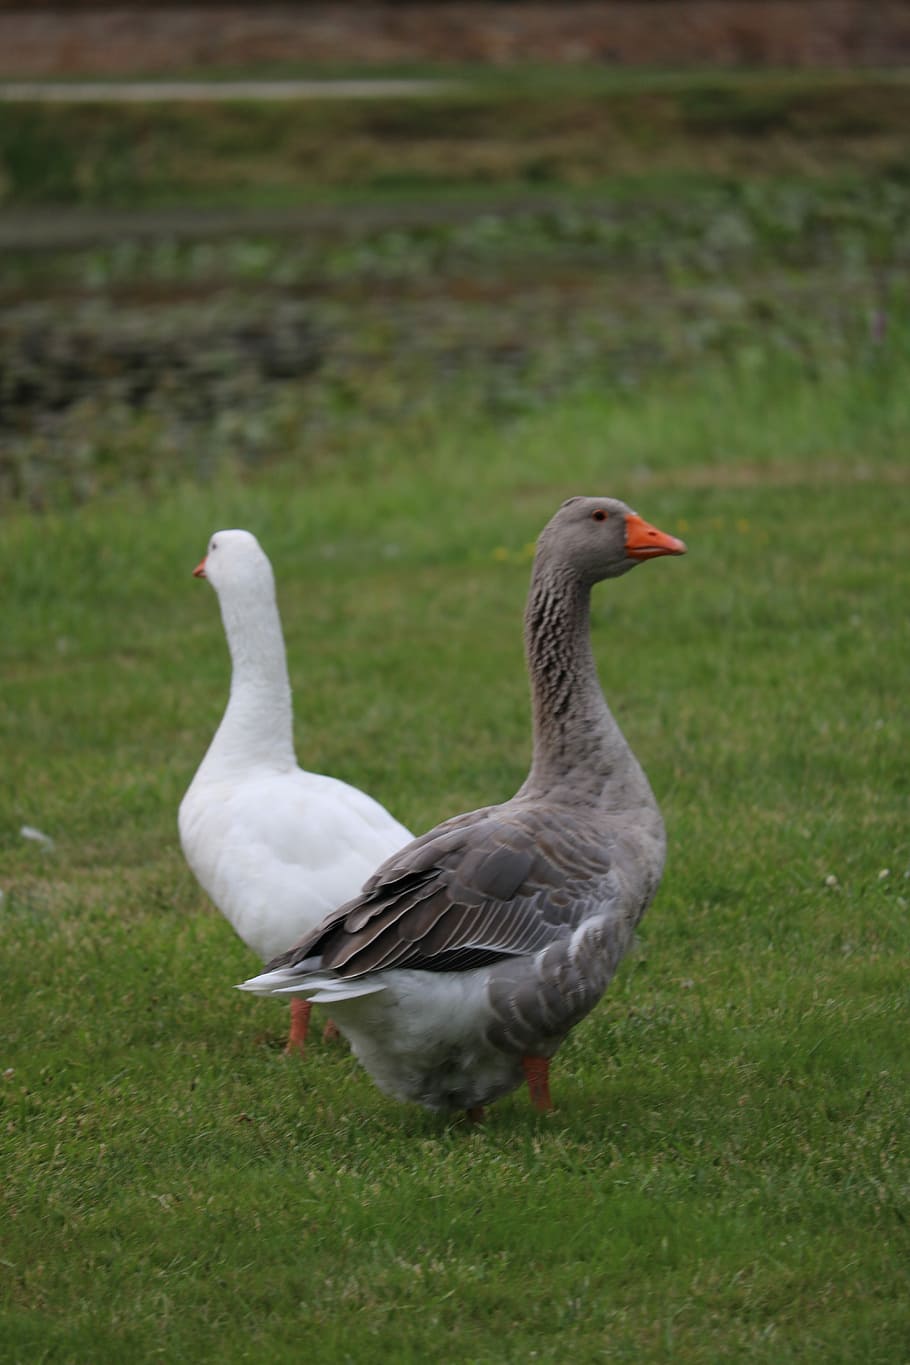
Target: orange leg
{"x": 475, "y": 1115}
{"x": 331, "y": 1032}
{"x": 537, "y": 1075}
{"x": 300, "y": 1018}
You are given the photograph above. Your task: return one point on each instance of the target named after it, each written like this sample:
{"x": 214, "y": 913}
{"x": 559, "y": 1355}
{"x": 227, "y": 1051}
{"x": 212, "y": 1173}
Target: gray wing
{"x": 497, "y": 883}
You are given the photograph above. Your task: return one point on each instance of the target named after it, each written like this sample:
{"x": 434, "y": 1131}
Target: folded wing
{"x": 494, "y": 884}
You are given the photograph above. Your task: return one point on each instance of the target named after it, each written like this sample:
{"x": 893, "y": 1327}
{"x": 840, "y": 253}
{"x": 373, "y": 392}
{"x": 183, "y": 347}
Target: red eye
{"x": 600, "y": 514}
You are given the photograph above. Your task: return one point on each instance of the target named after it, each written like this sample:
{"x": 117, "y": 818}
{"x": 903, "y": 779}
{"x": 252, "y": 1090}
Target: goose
{"x": 469, "y": 955}
{"x": 276, "y": 848}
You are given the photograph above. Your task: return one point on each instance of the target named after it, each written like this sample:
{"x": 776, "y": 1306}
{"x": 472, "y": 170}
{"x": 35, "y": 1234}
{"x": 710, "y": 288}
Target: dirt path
{"x": 121, "y": 92}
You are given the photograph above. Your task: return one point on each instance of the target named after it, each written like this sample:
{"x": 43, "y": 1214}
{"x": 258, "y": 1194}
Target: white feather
{"x": 275, "y": 847}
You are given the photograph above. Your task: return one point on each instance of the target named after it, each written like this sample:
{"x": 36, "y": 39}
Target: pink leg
{"x": 300, "y": 1018}
{"x": 537, "y": 1075}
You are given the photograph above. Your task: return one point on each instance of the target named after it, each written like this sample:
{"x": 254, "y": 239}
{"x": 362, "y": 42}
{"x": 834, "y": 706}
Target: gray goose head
{"x": 590, "y": 539}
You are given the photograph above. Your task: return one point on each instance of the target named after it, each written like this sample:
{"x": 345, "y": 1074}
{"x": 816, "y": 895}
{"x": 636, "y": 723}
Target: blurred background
{"x": 234, "y": 235}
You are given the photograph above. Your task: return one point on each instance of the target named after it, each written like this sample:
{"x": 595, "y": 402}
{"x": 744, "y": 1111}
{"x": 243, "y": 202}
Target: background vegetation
{"x": 392, "y": 367}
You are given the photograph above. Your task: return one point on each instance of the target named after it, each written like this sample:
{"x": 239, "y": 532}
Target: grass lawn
{"x": 725, "y": 1176}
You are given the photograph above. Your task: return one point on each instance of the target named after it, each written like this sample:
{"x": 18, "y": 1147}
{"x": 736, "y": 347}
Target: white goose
{"x": 276, "y": 848}
{"x": 471, "y": 953}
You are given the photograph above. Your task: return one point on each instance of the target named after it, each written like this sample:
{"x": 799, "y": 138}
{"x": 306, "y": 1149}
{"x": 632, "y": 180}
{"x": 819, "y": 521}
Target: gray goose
{"x": 470, "y": 954}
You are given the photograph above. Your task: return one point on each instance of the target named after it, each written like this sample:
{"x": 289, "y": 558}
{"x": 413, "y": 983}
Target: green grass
{"x": 725, "y": 1177}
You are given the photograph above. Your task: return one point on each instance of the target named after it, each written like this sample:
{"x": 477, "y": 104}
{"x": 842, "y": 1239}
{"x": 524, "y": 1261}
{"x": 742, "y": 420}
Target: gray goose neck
{"x": 258, "y": 725}
{"x": 577, "y": 743}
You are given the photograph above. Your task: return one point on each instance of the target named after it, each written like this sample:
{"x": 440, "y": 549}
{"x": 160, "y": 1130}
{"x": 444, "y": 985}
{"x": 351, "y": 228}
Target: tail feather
{"x": 266, "y": 982}
{"x": 330, "y": 997}
{"x": 320, "y": 988}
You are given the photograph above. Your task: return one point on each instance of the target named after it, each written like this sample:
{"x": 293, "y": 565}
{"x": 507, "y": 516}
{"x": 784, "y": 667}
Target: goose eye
{"x": 600, "y": 514}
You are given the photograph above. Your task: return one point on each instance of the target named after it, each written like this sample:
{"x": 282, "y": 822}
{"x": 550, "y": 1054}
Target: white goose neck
{"x": 257, "y": 727}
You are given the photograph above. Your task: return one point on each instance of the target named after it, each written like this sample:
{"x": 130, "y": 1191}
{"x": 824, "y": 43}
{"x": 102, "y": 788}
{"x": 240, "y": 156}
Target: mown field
{"x": 445, "y": 319}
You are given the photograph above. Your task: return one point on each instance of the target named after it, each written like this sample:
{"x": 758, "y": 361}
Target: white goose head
{"x": 237, "y": 566}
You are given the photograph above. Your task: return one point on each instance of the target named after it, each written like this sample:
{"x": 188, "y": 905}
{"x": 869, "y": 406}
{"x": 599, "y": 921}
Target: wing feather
{"x": 484, "y": 887}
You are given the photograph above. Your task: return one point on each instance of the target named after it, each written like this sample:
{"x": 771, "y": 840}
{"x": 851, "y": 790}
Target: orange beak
{"x": 199, "y": 571}
{"x": 644, "y": 541}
